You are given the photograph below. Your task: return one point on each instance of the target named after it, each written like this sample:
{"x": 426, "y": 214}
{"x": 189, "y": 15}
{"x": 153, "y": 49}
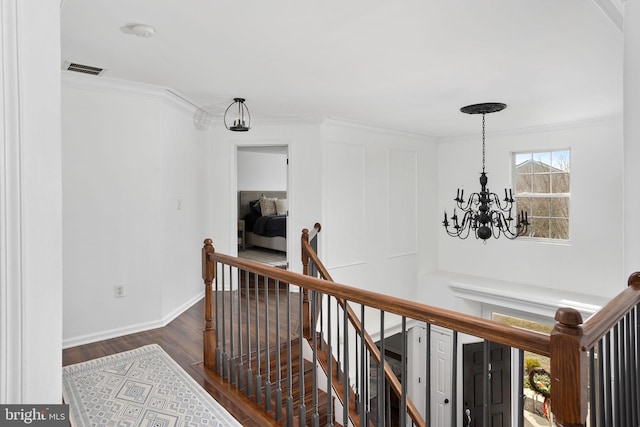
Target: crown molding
{"x": 331, "y": 120}
{"x": 553, "y": 127}
{"x": 129, "y": 88}
{"x": 613, "y": 14}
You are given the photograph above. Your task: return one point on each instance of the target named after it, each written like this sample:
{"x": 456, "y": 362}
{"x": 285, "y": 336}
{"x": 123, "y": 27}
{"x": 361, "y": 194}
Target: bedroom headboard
{"x": 244, "y": 197}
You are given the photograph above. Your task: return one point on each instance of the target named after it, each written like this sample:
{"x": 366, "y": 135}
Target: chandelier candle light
{"x": 484, "y": 212}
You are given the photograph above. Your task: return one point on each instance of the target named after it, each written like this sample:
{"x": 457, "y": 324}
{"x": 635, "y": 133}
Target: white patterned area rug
{"x": 141, "y": 387}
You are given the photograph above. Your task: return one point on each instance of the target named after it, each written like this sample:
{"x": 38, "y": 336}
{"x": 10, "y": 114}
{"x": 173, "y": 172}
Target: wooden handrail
{"x": 482, "y": 328}
{"x": 570, "y": 341}
{"x": 601, "y": 322}
{"x": 394, "y": 383}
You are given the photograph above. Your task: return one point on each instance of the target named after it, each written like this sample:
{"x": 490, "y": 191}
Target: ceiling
{"x": 406, "y": 65}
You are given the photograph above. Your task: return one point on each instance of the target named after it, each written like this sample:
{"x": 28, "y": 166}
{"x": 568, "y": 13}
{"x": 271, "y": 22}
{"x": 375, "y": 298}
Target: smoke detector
{"x": 140, "y": 30}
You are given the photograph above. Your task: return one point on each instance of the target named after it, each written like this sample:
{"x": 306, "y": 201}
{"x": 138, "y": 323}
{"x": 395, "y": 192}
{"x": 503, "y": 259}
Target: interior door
{"x": 441, "y": 378}
{"x": 440, "y": 368}
{"x": 499, "y": 402}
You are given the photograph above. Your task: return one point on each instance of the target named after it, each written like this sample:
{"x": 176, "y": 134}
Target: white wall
{"x": 631, "y": 137}
{"x": 261, "y": 170}
{"x": 136, "y": 209}
{"x": 377, "y": 231}
{"x": 590, "y": 263}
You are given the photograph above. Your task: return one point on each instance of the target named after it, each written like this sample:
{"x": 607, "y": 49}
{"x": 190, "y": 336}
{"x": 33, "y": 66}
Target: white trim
{"x": 336, "y": 121}
{"x": 551, "y": 127}
{"x": 611, "y": 13}
{"x": 538, "y": 301}
{"x": 132, "y": 329}
{"x": 11, "y": 274}
{"x": 171, "y": 97}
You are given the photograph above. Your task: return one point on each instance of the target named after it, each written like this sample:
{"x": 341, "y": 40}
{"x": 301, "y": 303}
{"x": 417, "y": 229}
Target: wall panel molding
{"x": 402, "y": 202}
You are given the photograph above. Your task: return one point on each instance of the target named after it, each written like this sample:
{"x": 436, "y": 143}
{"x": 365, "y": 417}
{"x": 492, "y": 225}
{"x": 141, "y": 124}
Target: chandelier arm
{"x": 473, "y": 200}
{"x": 506, "y": 228}
{"x": 508, "y": 204}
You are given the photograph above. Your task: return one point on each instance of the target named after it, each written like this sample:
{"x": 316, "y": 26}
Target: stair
{"x": 259, "y": 403}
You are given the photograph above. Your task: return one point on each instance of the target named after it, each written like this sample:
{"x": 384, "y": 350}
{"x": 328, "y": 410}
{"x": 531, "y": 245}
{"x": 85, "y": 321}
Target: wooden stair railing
{"x": 309, "y": 255}
{"x": 572, "y": 346}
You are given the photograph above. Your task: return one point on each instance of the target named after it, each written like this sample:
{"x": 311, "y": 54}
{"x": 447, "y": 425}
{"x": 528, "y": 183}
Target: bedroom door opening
{"x": 263, "y": 209}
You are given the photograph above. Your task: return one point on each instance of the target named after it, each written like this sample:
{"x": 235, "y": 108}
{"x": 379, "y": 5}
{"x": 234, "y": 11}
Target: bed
{"x": 265, "y": 231}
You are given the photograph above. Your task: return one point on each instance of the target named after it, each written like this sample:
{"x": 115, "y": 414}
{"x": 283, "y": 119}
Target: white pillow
{"x": 281, "y": 206}
{"x": 268, "y": 206}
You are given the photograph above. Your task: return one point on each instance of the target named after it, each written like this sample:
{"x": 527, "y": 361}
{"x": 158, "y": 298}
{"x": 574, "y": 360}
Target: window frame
{"x": 537, "y": 195}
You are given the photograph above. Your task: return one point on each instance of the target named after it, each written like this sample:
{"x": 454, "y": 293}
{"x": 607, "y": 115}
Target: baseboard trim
{"x": 140, "y": 327}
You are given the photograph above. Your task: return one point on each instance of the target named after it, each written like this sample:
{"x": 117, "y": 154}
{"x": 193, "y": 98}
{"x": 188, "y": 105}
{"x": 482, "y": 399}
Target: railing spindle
{"x": 427, "y": 370}
{"x": 634, "y": 368}
{"x": 289, "y": 361}
{"x": 454, "y": 380}
{"x": 249, "y": 375}
{"x": 403, "y": 361}
{"x": 232, "y": 371}
{"x": 258, "y": 378}
{"x": 338, "y": 335}
{"x": 302, "y": 409}
{"x": 217, "y": 323}
{"x": 329, "y": 365}
{"x": 617, "y": 377}
{"x": 364, "y": 375}
{"x": 278, "y": 347}
{"x": 345, "y": 378}
{"x": 315, "y": 417}
{"x": 241, "y": 383}
{"x": 267, "y": 349}
{"x": 486, "y": 386}
{"x": 225, "y": 360}
{"x": 381, "y": 376}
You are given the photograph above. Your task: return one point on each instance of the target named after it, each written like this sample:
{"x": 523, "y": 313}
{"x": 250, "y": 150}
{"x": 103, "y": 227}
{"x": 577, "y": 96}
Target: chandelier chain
{"x": 483, "y": 143}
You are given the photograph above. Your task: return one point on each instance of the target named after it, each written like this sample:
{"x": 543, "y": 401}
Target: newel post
{"x": 568, "y": 370}
{"x": 209, "y": 333}
{"x": 306, "y": 308}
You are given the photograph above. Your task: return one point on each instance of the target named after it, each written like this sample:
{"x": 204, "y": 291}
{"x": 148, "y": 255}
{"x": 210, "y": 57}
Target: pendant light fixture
{"x": 239, "y": 112}
{"x": 484, "y": 212}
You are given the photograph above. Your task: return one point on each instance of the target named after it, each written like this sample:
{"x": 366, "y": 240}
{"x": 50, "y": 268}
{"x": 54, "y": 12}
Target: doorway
{"x": 262, "y": 225}
{"x": 499, "y": 386}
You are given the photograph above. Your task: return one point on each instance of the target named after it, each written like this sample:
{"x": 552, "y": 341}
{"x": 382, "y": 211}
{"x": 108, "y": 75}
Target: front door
{"x": 499, "y": 402}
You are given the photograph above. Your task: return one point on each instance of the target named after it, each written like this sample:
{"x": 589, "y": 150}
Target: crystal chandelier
{"x": 484, "y": 212}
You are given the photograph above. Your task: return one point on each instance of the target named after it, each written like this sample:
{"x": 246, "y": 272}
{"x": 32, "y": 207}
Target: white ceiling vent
{"x": 81, "y": 68}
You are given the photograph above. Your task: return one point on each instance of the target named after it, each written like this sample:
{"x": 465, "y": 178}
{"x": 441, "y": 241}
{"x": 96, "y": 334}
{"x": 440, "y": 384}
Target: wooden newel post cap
{"x": 634, "y": 279}
{"x": 569, "y": 317}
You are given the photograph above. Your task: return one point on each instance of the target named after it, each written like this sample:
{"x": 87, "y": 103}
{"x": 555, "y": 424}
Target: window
{"x": 542, "y": 190}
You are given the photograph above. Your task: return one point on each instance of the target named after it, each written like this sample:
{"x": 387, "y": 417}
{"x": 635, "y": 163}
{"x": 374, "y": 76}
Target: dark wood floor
{"x": 182, "y": 340}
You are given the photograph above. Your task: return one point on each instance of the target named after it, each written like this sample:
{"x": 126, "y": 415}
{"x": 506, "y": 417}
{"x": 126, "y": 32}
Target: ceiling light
{"x": 242, "y": 119}
{"x": 140, "y": 30}
{"x": 484, "y": 212}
